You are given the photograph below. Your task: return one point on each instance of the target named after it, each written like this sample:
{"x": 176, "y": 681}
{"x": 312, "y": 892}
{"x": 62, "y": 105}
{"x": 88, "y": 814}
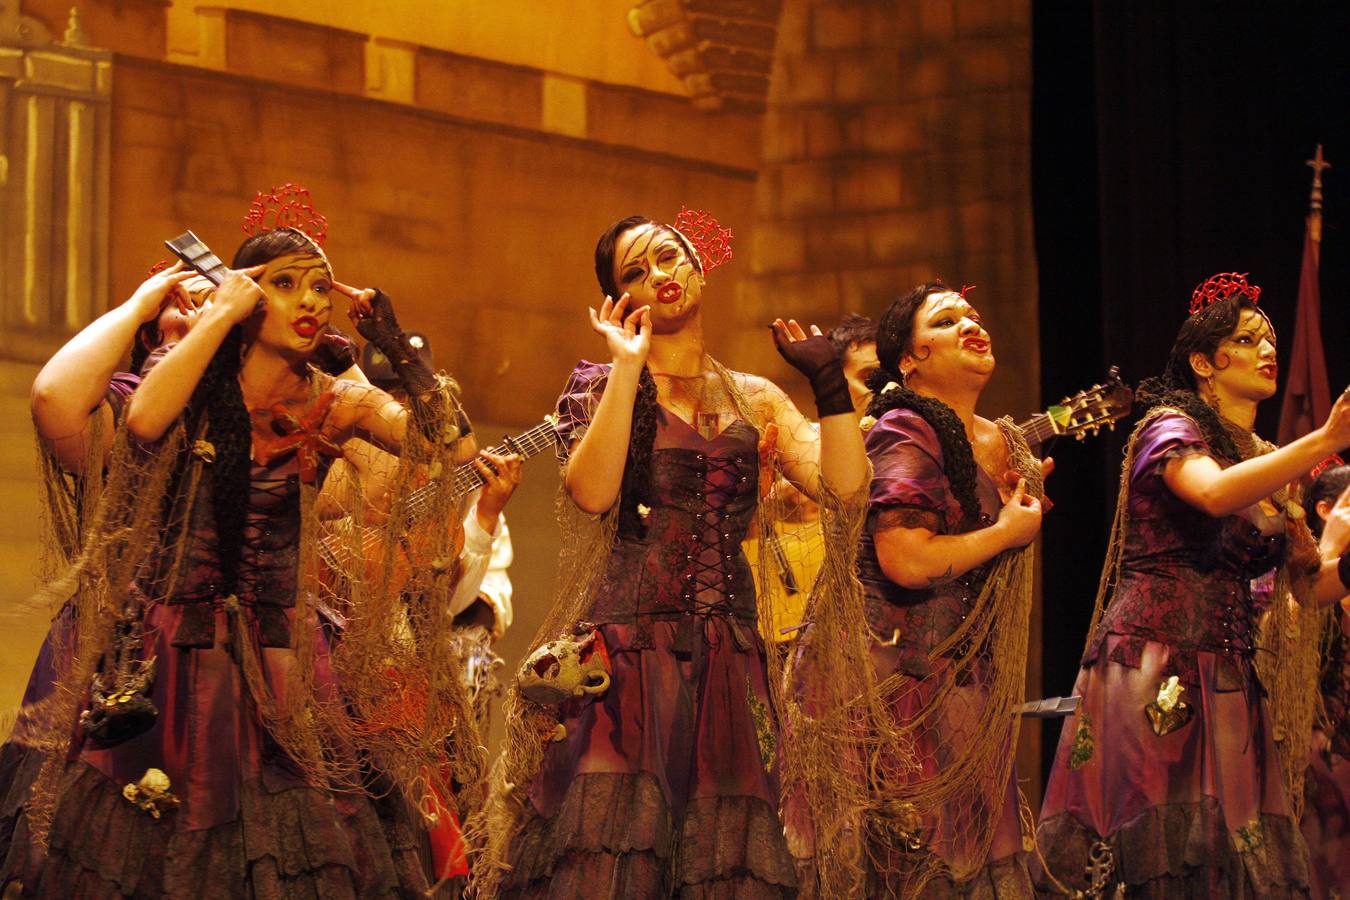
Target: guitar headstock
{"x": 191, "y": 250}
{"x": 1086, "y": 412}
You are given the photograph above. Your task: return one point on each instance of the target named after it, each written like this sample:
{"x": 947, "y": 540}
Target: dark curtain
{"x": 1168, "y": 143}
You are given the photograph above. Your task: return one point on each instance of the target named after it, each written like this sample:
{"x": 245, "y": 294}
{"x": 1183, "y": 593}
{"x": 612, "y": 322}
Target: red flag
{"x": 1307, "y": 398}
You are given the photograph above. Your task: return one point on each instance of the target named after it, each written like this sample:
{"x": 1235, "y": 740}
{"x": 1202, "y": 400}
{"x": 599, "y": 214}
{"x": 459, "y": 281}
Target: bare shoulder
{"x": 991, "y": 448}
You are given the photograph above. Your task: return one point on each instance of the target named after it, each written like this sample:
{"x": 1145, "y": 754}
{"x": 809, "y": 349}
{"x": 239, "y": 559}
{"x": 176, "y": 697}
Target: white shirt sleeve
{"x": 473, "y": 562}
{"x": 496, "y": 586}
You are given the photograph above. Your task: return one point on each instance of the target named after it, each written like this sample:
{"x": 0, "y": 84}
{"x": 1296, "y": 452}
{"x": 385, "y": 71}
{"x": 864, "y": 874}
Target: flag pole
{"x": 1307, "y": 397}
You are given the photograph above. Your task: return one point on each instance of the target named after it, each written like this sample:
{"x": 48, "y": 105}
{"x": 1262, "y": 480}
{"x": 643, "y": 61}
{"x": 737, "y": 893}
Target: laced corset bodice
{"x": 689, "y": 561}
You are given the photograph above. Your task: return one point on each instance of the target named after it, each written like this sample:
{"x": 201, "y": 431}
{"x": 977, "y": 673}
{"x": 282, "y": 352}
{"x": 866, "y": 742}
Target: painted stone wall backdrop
{"x": 896, "y": 148}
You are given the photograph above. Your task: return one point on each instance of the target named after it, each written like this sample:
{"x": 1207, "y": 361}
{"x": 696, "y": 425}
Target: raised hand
{"x": 629, "y": 336}
{"x": 148, "y": 299}
{"x": 361, "y": 299}
{"x": 1337, "y": 426}
{"x": 815, "y": 357}
{"x": 239, "y": 296}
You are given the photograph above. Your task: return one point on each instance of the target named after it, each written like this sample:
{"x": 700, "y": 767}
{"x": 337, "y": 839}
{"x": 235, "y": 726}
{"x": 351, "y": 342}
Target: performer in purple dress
{"x": 242, "y": 768}
{"x": 77, "y": 401}
{"x": 944, "y": 561}
{"x": 1169, "y": 777}
{"x": 659, "y": 777}
{"x": 1326, "y": 804}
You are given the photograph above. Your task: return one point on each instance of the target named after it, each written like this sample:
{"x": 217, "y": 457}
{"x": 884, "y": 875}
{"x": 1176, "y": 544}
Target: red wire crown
{"x": 1220, "y": 287}
{"x": 287, "y": 206}
{"x": 711, "y": 241}
{"x": 1330, "y": 462}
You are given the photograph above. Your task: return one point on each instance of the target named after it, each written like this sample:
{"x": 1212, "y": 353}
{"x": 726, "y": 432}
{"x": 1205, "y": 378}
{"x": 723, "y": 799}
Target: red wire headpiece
{"x": 287, "y": 206}
{"x": 1330, "y": 462}
{"x": 1220, "y": 287}
{"x": 159, "y": 267}
{"x": 710, "y": 241}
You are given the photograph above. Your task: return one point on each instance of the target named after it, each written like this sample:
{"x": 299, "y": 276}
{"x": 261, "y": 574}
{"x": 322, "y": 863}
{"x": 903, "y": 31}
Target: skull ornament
{"x": 151, "y": 793}
{"x": 571, "y": 666}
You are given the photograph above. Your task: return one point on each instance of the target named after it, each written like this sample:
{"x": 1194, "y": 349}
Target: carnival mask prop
{"x": 572, "y": 666}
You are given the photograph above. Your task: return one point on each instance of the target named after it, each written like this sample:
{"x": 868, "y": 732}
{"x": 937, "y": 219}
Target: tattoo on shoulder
{"x": 935, "y": 580}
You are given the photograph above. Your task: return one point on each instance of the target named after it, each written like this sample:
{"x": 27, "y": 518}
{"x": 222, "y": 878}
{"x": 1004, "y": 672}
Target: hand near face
{"x": 360, "y": 298}
{"x": 240, "y": 296}
{"x": 149, "y": 298}
{"x": 629, "y": 336}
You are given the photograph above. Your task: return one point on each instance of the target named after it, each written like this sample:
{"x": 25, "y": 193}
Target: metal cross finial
{"x": 1317, "y": 164}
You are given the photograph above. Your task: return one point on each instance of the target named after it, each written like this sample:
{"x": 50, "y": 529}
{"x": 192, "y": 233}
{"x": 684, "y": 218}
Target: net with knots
{"x": 330, "y": 564}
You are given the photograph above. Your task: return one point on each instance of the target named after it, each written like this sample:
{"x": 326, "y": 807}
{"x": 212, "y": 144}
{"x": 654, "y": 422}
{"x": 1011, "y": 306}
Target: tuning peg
{"x": 1080, "y": 435}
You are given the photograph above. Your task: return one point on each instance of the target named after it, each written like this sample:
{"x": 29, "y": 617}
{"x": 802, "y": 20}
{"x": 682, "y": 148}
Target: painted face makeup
{"x": 949, "y": 342}
{"x": 1244, "y": 362}
{"x": 652, "y": 265}
{"x": 299, "y": 305}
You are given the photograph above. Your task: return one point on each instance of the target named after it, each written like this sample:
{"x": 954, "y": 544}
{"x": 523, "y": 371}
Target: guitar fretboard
{"x": 466, "y": 478}
{"x": 1038, "y": 429}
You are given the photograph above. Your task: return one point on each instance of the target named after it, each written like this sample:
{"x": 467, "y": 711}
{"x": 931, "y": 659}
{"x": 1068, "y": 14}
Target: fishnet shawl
{"x": 400, "y": 708}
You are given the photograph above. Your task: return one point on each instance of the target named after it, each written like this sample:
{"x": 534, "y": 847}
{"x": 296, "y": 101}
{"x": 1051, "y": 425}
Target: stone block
{"x": 991, "y": 17}
{"x": 807, "y": 189}
{"x": 646, "y": 120}
{"x": 937, "y": 20}
{"x": 826, "y": 132}
{"x": 391, "y": 70}
{"x": 778, "y": 247}
{"x": 836, "y": 243}
{"x": 784, "y": 134}
{"x": 897, "y": 237}
{"x": 994, "y": 63}
{"x": 804, "y": 79}
{"x": 564, "y": 105}
{"x": 868, "y": 185}
{"x": 986, "y": 227}
{"x": 837, "y": 26}
{"x": 479, "y": 90}
{"x": 274, "y": 48}
{"x": 893, "y": 25}
{"x": 869, "y": 290}
{"x": 928, "y": 75}
{"x": 868, "y": 76}
{"x": 895, "y": 128}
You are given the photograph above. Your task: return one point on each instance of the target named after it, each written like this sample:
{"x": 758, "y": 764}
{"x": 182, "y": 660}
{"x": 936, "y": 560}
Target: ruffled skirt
{"x": 973, "y": 846}
{"x": 1197, "y": 811}
{"x": 665, "y": 785}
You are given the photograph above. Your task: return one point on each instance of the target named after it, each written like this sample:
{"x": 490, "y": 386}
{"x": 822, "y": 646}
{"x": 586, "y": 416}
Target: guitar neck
{"x": 466, "y": 479}
{"x": 1038, "y": 429}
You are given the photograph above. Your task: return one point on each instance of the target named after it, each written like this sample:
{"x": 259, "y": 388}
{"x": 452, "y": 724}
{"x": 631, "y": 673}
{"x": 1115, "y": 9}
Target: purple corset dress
{"x": 248, "y": 823}
{"x": 665, "y": 784}
{"x": 907, "y": 625}
{"x": 1191, "y": 803}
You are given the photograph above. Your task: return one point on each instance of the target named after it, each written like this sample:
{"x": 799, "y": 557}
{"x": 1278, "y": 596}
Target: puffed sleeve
{"x": 578, "y": 401}
{"x": 120, "y": 389}
{"x": 1166, "y": 437}
{"x": 906, "y": 464}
